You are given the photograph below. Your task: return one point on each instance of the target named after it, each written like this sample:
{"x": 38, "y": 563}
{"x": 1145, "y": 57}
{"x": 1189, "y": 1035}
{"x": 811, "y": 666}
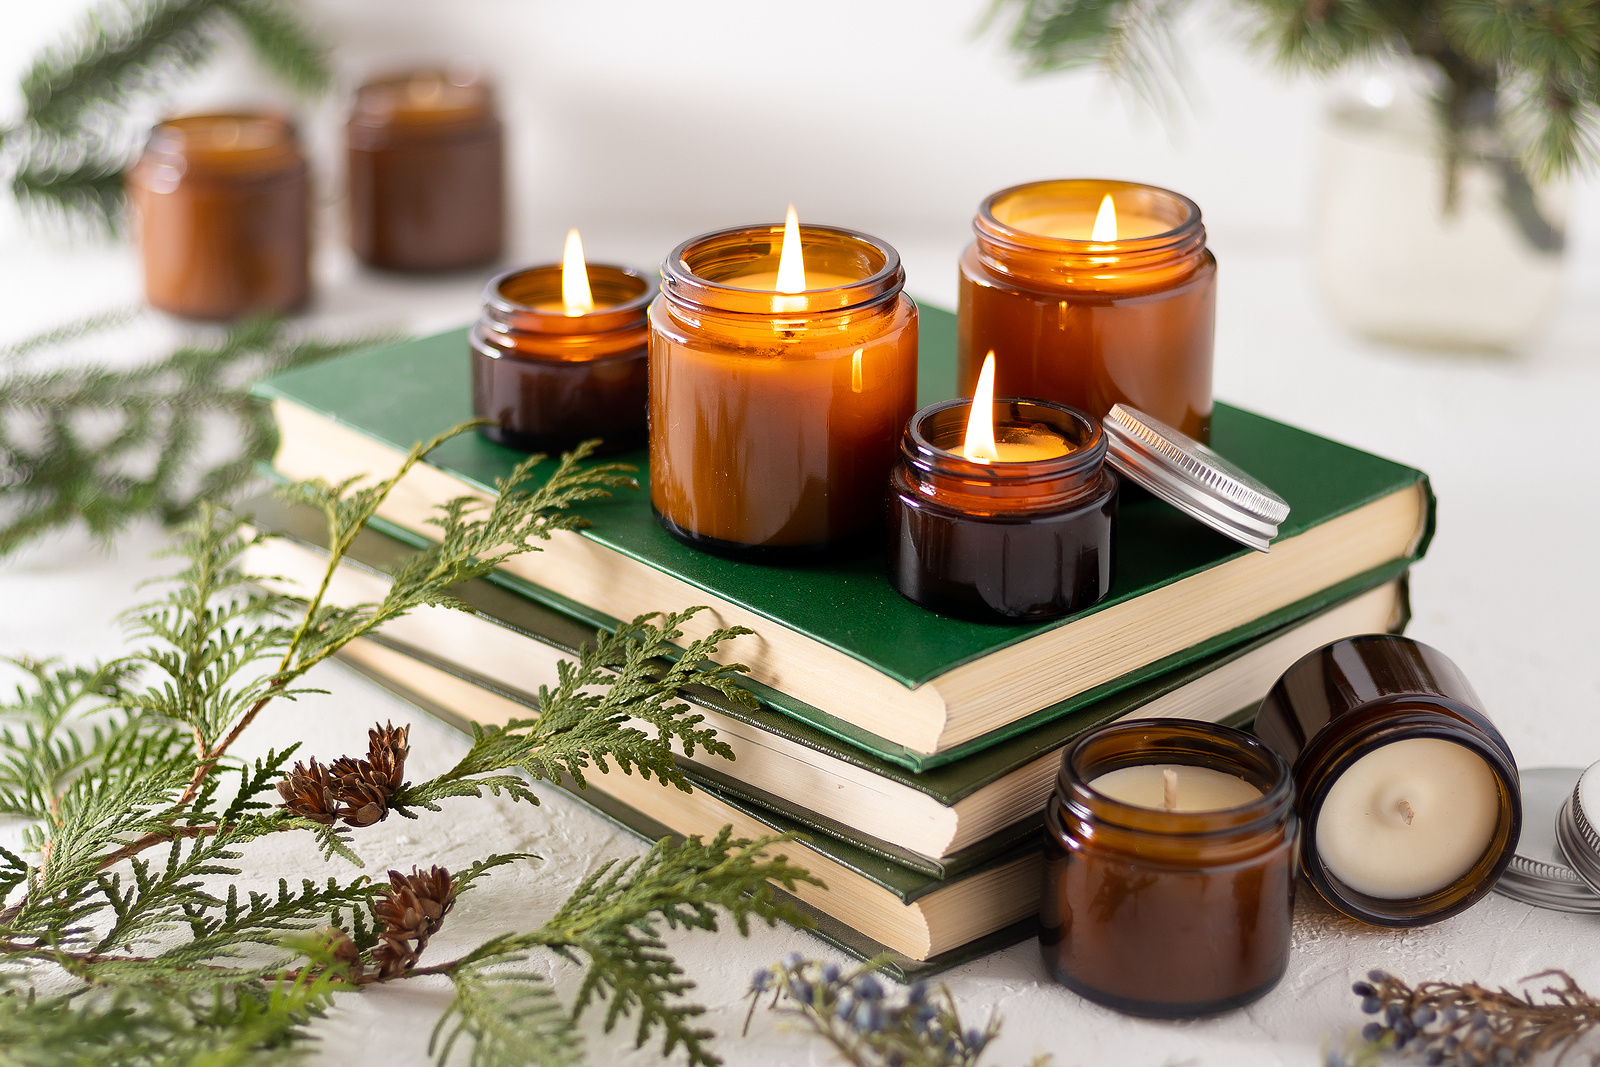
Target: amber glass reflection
{"x": 1092, "y": 324}
{"x": 1346, "y": 700}
{"x": 1160, "y": 913}
{"x": 1001, "y": 541}
{"x": 426, "y": 158}
{"x": 774, "y": 418}
{"x": 222, "y": 211}
{"x": 548, "y": 379}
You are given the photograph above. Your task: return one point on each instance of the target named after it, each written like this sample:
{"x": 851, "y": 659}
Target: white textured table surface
{"x": 1508, "y": 589}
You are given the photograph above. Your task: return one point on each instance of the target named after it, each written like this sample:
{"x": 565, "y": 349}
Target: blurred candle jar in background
{"x": 1092, "y": 293}
{"x": 783, "y": 366}
{"x": 220, "y": 203}
{"x": 1411, "y": 249}
{"x": 427, "y": 186}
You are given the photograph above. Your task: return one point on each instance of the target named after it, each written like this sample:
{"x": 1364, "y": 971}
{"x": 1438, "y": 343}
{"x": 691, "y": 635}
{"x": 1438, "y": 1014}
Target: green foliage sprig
{"x": 105, "y": 445}
{"x": 867, "y": 1026}
{"x": 138, "y": 811}
{"x": 69, "y": 147}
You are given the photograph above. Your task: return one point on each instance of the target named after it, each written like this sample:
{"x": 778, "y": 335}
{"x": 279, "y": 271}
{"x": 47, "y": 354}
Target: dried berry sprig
{"x": 867, "y": 1027}
{"x": 1470, "y": 1025}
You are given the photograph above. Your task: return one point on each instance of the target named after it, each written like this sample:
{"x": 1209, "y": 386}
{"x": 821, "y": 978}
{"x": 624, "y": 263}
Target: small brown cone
{"x": 311, "y": 793}
{"x": 412, "y": 911}
{"x": 355, "y": 790}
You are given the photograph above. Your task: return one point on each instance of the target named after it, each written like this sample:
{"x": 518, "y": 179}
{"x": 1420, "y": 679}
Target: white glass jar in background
{"x": 1395, "y": 263}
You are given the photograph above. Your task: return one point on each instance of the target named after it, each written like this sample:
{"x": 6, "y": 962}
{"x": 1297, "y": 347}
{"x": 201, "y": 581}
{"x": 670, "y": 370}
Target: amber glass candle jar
{"x": 1002, "y": 541}
{"x": 1169, "y": 913}
{"x": 1409, "y": 796}
{"x": 221, "y": 204}
{"x": 1091, "y": 323}
{"x": 549, "y": 380}
{"x": 427, "y": 185}
{"x": 774, "y": 417}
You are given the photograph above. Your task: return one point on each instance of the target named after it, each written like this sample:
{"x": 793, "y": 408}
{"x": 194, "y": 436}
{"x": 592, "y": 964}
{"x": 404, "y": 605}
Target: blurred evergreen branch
{"x": 106, "y": 445}
{"x": 77, "y": 131}
{"x": 1525, "y": 71}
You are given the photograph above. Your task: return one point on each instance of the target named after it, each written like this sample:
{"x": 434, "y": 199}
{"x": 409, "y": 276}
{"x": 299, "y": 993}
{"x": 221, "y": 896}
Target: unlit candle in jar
{"x": 1189, "y": 788}
{"x": 1408, "y": 819}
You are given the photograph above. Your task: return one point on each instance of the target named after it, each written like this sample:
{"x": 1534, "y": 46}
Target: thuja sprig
{"x": 866, "y": 1026}
{"x": 1469, "y": 1025}
{"x": 138, "y": 811}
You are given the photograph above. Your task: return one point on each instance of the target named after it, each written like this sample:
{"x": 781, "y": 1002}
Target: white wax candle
{"x": 1408, "y": 819}
{"x": 1153, "y": 785}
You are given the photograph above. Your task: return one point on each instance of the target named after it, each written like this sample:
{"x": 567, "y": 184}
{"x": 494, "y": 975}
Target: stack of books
{"x": 914, "y": 753}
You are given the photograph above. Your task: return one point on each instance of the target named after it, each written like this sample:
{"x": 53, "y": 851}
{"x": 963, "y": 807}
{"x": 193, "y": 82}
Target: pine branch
{"x": 55, "y": 471}
{"x": 508, "y": 1020}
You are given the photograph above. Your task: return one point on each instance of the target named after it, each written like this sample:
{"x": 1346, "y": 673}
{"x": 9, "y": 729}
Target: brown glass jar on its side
{"x": 222, "y": 208}
{"x": 1092, "y": 323}
{"x": 1168, "y": 914}
{"x": 1001, "y": 541}
{"x": 549, "y": 380}
{"x": 1345, "y": 702}
{"x": 427, "y": 184}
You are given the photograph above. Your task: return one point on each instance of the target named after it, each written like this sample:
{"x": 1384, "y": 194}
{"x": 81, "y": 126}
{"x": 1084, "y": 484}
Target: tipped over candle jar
{"x": 1092, "y": 293}
{"x": 1169, "y": 868}
{"x": 1408, "y": 794}
{"x": 1024, "y": 536}
{"x": 549, "y": 373}
{"x": 777, "y": 395}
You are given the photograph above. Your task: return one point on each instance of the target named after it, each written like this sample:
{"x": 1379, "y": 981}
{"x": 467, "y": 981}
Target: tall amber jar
{"x": 1168, "y": 914}
{"x": 222, "y": 207}
{"x": 774, "y": 418}
{"x": 1092, "y": 324}
{"x": 427, "y": 186}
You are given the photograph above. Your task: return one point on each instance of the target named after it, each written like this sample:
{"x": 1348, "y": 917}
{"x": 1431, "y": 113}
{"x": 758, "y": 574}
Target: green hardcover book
{"x": 837, "y": 646}
{"x": 940, "y": 823}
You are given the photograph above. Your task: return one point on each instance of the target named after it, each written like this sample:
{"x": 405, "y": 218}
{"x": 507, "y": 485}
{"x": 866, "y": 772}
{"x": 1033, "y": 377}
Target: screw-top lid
{"x": 1576, "y": 830}
{"x": 1539, "y": 873}
{"x": 1192, "y": 478}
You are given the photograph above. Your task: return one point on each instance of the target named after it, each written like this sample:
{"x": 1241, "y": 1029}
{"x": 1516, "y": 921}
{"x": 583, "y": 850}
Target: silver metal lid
{"x": 1192, "y": 478}
{"x": 1539, "y": 873}
{"x": 1575, "y": 830}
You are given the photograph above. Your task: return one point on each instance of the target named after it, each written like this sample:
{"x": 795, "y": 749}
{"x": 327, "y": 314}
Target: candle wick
{"x": 1169, "y": 789}
{"x": 1406, "y": 812}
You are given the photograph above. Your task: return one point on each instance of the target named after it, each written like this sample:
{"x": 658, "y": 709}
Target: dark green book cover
{"x": 411, "y": 391}
{"x": 381, "y": 554}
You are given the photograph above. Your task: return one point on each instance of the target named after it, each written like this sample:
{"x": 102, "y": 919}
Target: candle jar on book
{"x": 426, "y": 163}
{"x": 774, "y": 415}
{"x": 1169, "y": 868}
{"x": 221, "y": 205}
{"x": 548, "y": 379}
{"x": 1092, "y": 293}
{"x": 1409, "y": 796}
{"x": 1025, "y": 536}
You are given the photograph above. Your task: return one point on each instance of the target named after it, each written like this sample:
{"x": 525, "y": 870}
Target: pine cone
{"x": 413, "y": 911}
{"x": 355, "y": 790}
{"x": 311, "y": 793}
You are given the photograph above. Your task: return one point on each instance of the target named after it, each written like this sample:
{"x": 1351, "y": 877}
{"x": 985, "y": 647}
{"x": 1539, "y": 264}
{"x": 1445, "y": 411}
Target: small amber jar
{"x": 1402, "y": 716}
{"x": 1092, "y": 323}
{"x": 774, "y": 417}
{"x": 1001, "y": 541}
{"x": 1168, "y": 914}
{"x": 427, "y": 185}
{"x": 549, "y": 380}
{"x": 223, "y": 214}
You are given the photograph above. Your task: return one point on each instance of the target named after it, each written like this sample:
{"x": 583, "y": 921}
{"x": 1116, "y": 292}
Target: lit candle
{"x": 576, "y": 297}
{"x": 1175, "y": 787}
{"x": 1408, "y": 819}
{"x": 782, "y": 369}
{"x": 1011, "y": 443}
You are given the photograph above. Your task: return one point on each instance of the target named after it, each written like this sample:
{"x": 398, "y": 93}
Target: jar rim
{"x": 176, "y": 139}
{"x": 1271, "y": 805}
{"x": 523, "y": 316}
{"x": 988, "y": 226}
{"x": 681, "y": 282}
{"x": 922, "y": 452}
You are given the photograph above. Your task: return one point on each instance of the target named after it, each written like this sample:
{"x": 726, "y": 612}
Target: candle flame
{"x": 575, "y": 295}
{"x": 978, "y": 445}
{"x": 1105, "y": 223}
{"x": 791, "y": 261}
